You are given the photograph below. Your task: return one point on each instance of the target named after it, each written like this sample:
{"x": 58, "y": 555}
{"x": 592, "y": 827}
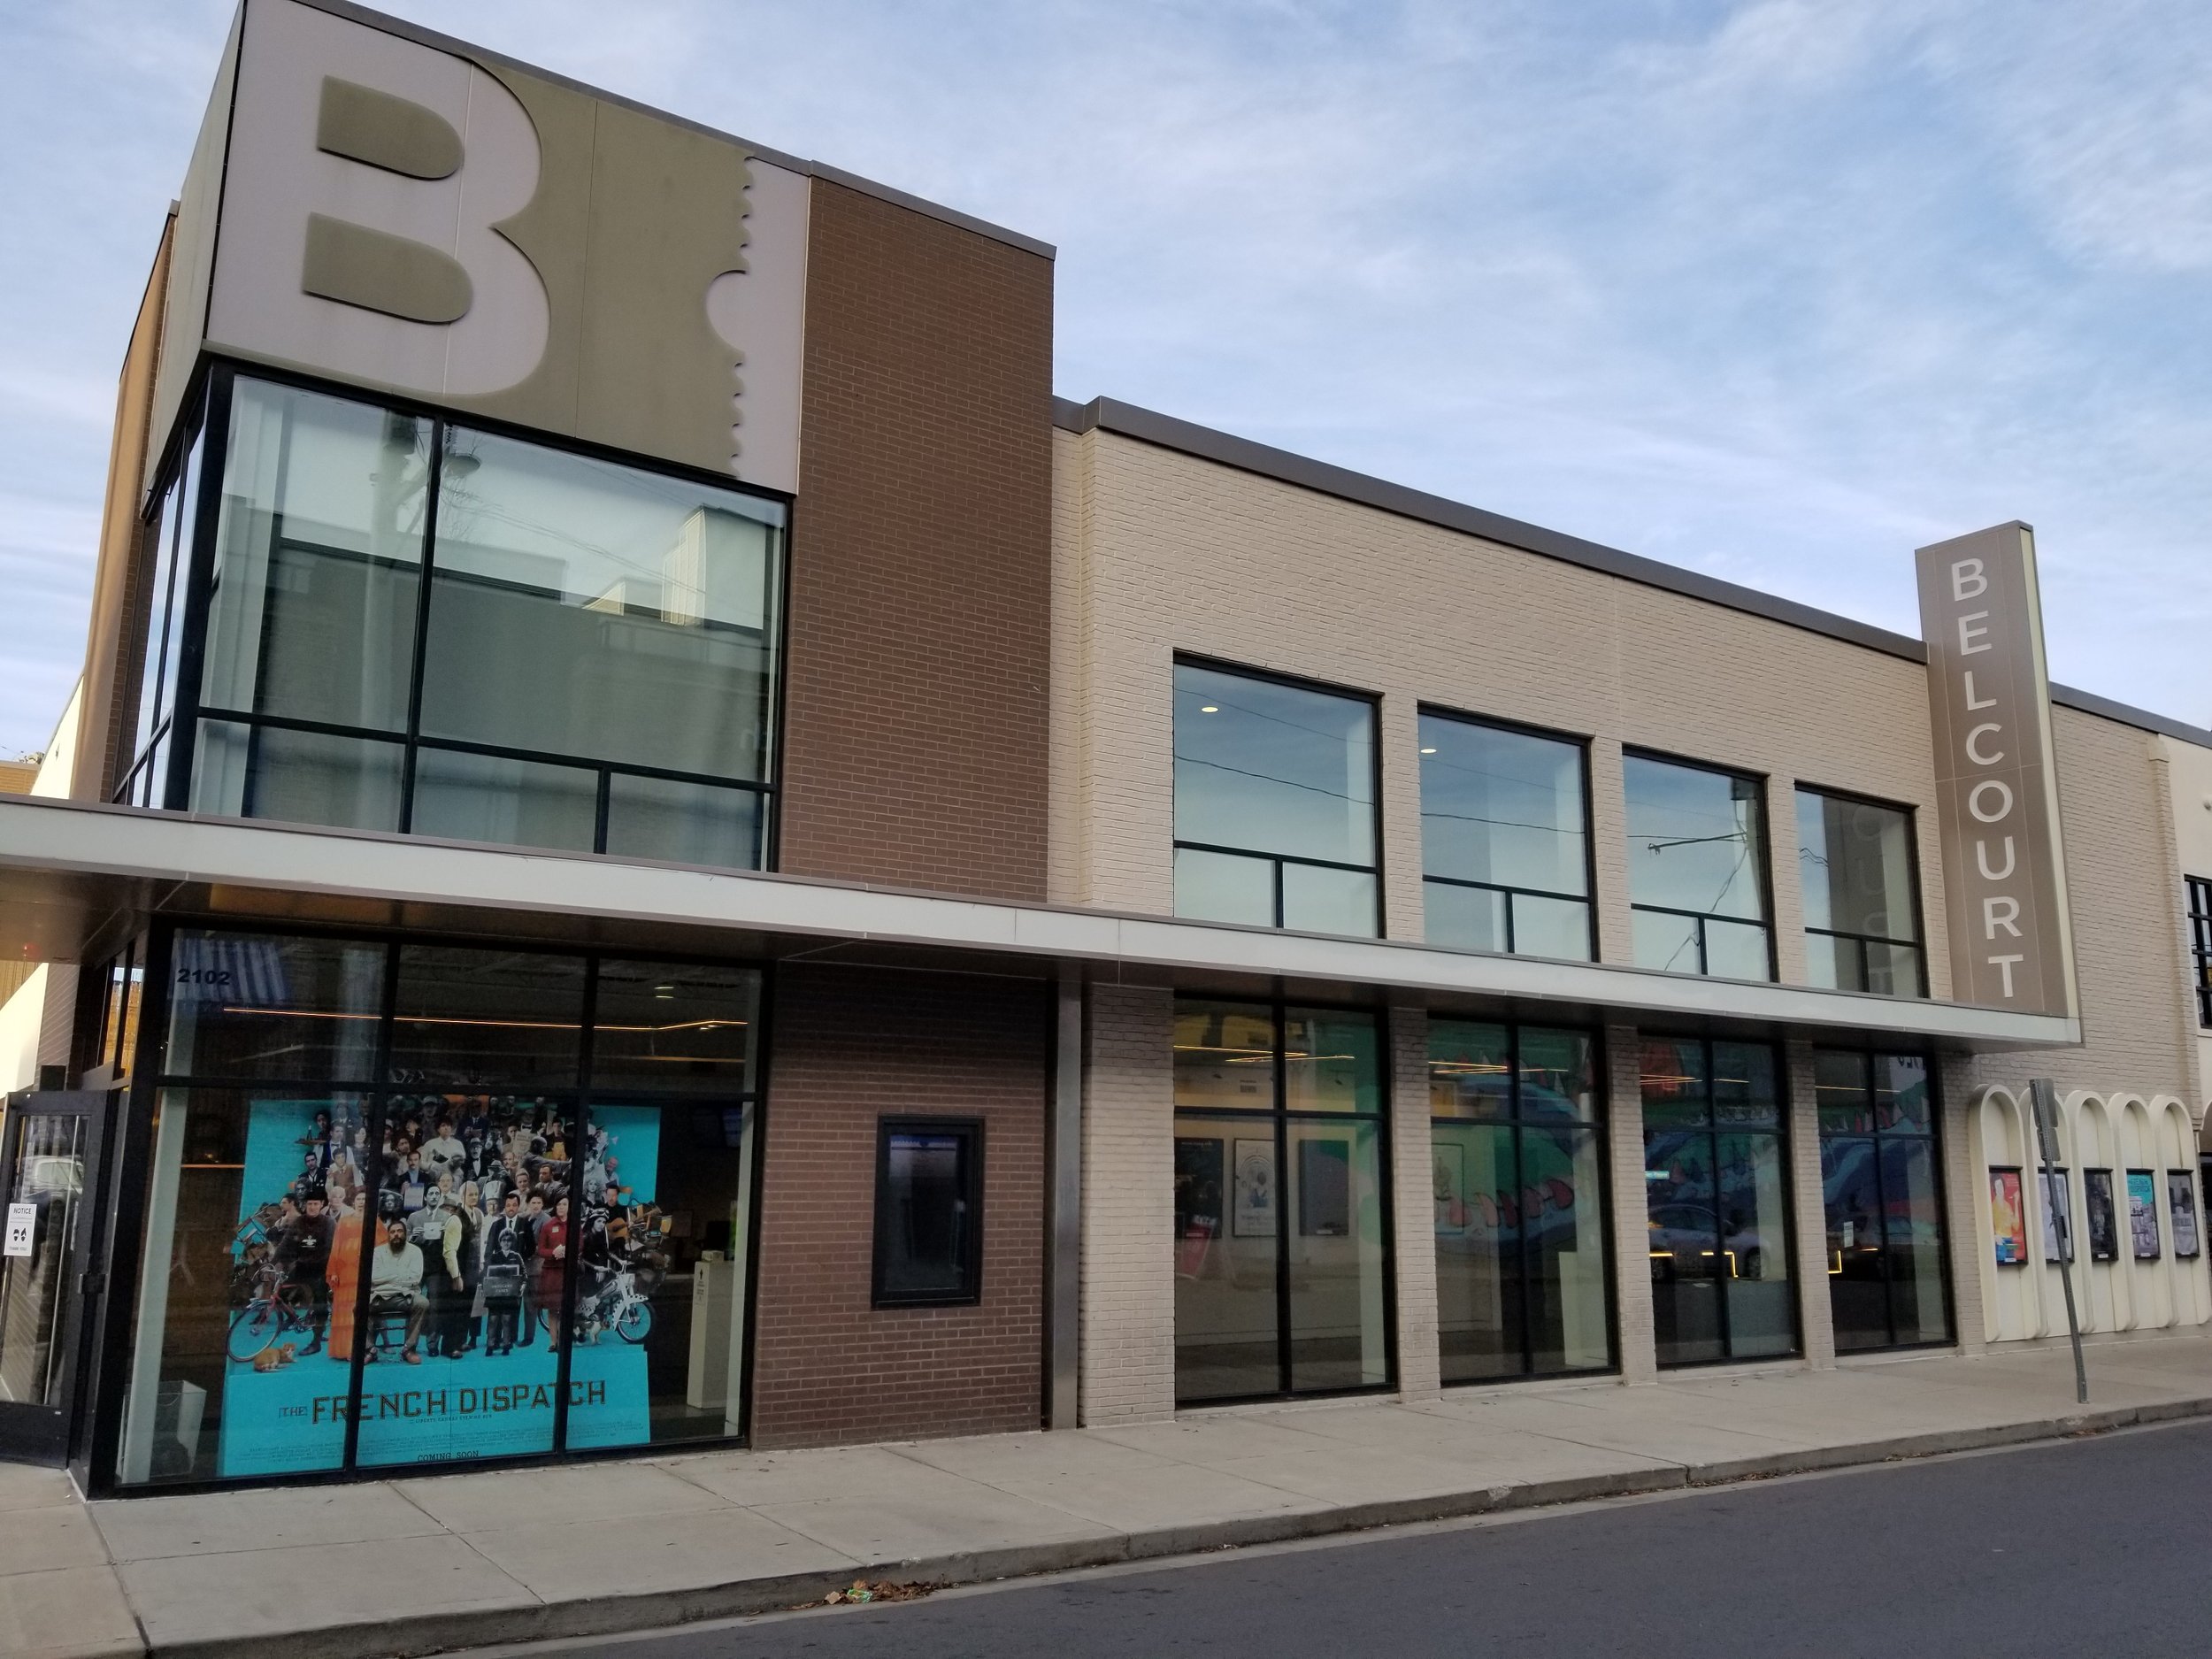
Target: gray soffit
{"x": 59, "y": 858}
{"x": 1150, "y": 427}
{"x": 459, "y": 47}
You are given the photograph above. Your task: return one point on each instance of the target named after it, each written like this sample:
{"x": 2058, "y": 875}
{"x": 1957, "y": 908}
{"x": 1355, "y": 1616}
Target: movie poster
{"x": 2143, "y": 1214}
{"x": 2058, "y": 1217}
{"x": 1253, "y": 1214}
{"x": 1197, "y": 1201}
{"x": 2006, "y": 1217}
{"x": 450, "y": 1271}
{"x": 2181, "y": 1199}
{"x": 2104, "y": 1222}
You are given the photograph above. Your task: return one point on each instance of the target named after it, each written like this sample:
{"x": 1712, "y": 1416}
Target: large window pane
{"x": 318, "y": 552}
{"x": 1564, "y": 1240}
{"x": 297, "y": 777}
{"x": 1338, "y": 1318}
{"x": 1680, "y": 1193}
{"x": 487, "y": 1019}
{"x": 1694, "y": 838}
{"x": 1273, "y": 768}
{"x": 1756, "y": 1245}
{"x": 1471, "y": 1068}
{"x": 271, "y": 1005}
{"x": 1558, "y": 1075}
{"x": 1667, "y": 942}
{"x": 1224, "y": 1056}
{"x": 1332, "y": 1061}
{"x": 583, "y": 608}
{"x": 1502, "y": 807}
{"x": 1479, "y": 1309}
{"x": 245, "y": 1317}
{"x": 1736, "y": 950}
{"x": 1225, "y": 888}
{"x": 1835, "y": 963}
{"x": 675, "y": 1025}
{"x": 684, "y": 823}
{"x": 1227, "y": 1341}
{"x": 1858, "y": 1287}
{"x": 1551, "y": 927}
{"x": 1855, "y": 865}
{"x": 475, "y": 1203}
{"x": 1913, "y": 1241}
{"x": 1464, "y": 918}
{"x": 1319, "y": 899}
{"x": 1893, "y": 969}
{"x": 515, "y": 802}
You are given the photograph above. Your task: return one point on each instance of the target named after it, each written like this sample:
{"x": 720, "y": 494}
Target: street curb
{"x": 412, "y": 1637}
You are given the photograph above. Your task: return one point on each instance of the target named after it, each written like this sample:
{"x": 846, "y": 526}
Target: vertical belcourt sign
{"x": 2004, "y": 874}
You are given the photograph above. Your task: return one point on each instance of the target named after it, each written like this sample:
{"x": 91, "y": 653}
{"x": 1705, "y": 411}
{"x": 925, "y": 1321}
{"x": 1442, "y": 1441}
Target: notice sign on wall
{"x": 1996, "y": 792}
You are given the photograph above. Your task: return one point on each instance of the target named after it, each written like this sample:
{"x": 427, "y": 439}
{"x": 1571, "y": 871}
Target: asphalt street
{"x": 2097, "y": 1546}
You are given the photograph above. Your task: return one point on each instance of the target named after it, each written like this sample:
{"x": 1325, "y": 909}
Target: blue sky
{"x": 1778, "y": 290}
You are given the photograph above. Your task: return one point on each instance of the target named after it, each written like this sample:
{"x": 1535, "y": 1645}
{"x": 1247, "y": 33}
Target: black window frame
{"x": 1935, "y": 1139}
{"x": 1763, "y": 854}
{"x": 110, "y": 1377}
{"x": 1600, "y": 1127}
{"x": 208, "y": 411}
{"x": 1712, "y": 1129}
{"x": 2199, "y": 892}
{"x": 1278, "y": 1115}
{"x": 971, "y": 1132}
{"x": 1918, "y": 942}
{"x": 1276, "y": 861}
{"x": 1588, "y": 897}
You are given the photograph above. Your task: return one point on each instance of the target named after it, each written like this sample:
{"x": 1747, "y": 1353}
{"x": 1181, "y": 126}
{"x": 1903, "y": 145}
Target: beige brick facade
{"x": 1128, "y": 1316}
{"x": 1412, "y": 1196}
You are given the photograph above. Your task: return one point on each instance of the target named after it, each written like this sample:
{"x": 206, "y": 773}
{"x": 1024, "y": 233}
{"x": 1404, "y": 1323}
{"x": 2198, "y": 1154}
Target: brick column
{"x": 1632, "y": 1233}
{"x": 1128, "y": 1280}
{"x": 1413, "y": 1202}
{"x": 1816, "y": 1314}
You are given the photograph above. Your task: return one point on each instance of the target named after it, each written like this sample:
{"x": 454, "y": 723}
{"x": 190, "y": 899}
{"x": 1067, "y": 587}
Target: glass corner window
{"x": 416, "y": 626}
{"x": 1856, "y": 874}
{"x": 1505, "y": 846}
{"x": 1274, "y": 804}
{"x": 1696, "y": 869}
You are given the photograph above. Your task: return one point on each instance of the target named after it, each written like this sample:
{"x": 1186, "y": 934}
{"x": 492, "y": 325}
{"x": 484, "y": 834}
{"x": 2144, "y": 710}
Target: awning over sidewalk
{"x": 76, "y": 879}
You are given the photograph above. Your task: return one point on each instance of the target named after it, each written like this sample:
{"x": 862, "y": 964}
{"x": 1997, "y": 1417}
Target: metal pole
{"x": 2045, "y": 1096}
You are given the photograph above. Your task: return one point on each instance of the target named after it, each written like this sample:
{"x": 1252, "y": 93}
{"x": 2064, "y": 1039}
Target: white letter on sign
{"x": 1965, "y": 572}
{"x": 1999, "y": 912}
{"x": 1967, "y": 633}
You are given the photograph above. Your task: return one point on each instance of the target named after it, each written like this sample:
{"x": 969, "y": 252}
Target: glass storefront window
{"x": 599, "y": 658}
{"x": 1281, "y": 1227}
{"x": 1274, "y": 804}
{"x": 1880, "y": 1184}
{"x": 1505, "y": 846}
{"x": 1519, "y": 1212}
{"x": 512, "y": 1258}
{"x": 1715, "y": 1196}
{"x": 1696, "y": 869}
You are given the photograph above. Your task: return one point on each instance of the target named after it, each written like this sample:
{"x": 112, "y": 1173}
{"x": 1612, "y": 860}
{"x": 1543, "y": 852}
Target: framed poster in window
{"x": 2008, "y": 1217}
{"x": 1325, "y": 1188}
{"x": 2104, "y": 1222}
{"x": 2058, "y": 1217}
{"x": 1252, "y": 1209}
{"x": 2143, "y": 1214}
{"x": 2181, "y": 1199}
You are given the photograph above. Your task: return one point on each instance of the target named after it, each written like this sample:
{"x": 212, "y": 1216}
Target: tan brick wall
{"x": 1635, "y": 1328}
{"x": 1160, "y": 551}
{"x": 1816, "y": 1314}
{"x": 1413, "y": 1194}
{"x": 848, "y": 1046}
{"x": 1128, "y": 1341}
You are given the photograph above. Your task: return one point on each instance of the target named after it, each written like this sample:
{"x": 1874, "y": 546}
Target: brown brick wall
{"x": 848, "y": 1046}
{"x": 915, "y": 700}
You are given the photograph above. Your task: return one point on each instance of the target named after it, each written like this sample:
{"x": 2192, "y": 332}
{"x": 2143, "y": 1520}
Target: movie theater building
{"x": 658, "y": 847}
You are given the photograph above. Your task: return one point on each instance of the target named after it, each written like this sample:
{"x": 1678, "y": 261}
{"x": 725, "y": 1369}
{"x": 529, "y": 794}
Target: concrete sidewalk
{"x": 410, "y": 1566}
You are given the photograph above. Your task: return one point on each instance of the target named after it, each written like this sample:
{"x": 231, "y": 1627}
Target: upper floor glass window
{"x": 2200, "y": 944}
{"x": 1274, "y": 804}
{"x": 415, "y": 625}
{"x": 1861, "y": 917}
{"x": 1505, "y": 846}
{"x": 1696, "y": 869}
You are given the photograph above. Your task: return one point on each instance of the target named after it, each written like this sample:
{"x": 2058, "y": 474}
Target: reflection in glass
{"x": 674, "y": 1025}
{"x": 1854, "y": 860}
{"x": 1883, "y": 1213}
{"x": 272, "y": 1005}
{"x": 1695, "y": 841}
{"x": 1334, "y": 1202}
{"x": 1331, "y": 1061}
{"x": 1320, "y": 900}
{"x": 490, "y": 1018}
{"x": 1226, "y": 1343}
{"x": 684, "y": 823}
{"x": 1504, "y": 810}
{"x": 1464, "y": 918}
{"x": 1518, "y": 1219}
{"x": 1225, "y": 888}
{"x": 1667, "y": 941}
{"x": 580, "y": 607}
{"x": 1224, "y": 1056}
{"x": 244, "y": 1322}
{"x": 1551, "y": 927}
{"x": 297, "y": 777}
{"x": 494, "y": 798}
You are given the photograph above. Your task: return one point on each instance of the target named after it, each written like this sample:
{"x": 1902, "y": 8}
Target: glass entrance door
{"x": 47, "y": 1159}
